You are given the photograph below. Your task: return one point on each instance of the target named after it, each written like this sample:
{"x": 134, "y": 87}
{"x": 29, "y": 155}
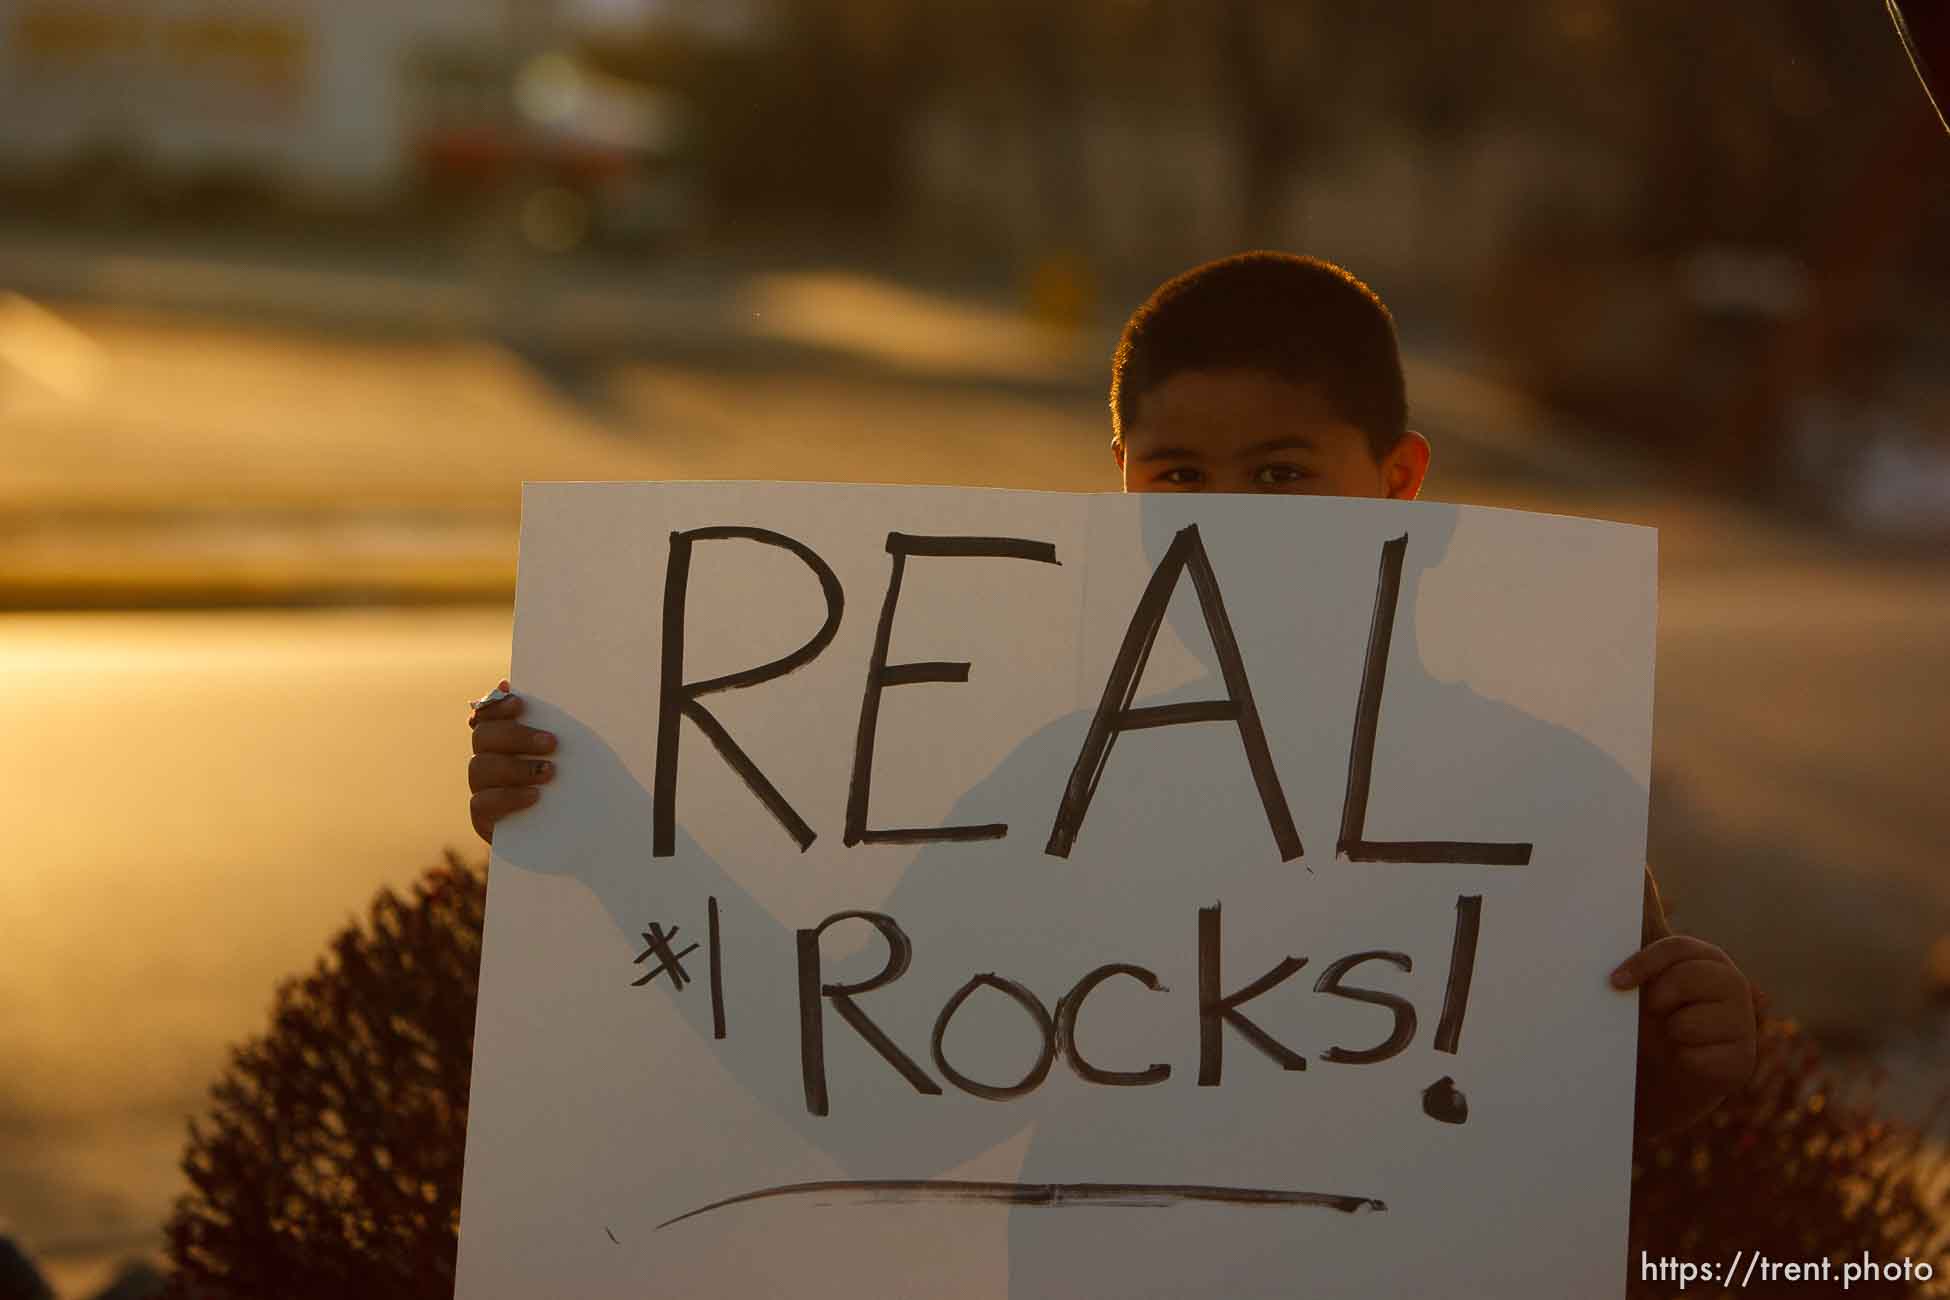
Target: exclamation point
{"x": 1442, "y": 1100}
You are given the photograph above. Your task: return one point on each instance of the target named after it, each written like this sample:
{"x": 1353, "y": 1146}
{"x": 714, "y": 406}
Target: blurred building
{"x": 126, "y": 109}
{"x": 303, "y": 91}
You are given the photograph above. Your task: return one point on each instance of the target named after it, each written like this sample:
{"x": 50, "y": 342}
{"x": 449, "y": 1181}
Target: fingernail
{"x": 1621, "y": 978}
{"x": 545, "y": 739}
{"x": 543, "y": 767}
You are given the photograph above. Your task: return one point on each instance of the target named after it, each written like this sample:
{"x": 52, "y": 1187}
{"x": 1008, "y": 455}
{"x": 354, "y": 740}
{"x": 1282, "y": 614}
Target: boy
{"x": 1269, "y": 372}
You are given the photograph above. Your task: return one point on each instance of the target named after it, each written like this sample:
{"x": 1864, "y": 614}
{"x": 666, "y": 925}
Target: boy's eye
{"x": 1182, "y": 476}
{"x": 1272, "y": 474}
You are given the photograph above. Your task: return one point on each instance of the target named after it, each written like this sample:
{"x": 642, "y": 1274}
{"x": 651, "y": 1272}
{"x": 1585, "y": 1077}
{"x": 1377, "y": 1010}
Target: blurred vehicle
{"x": 560, "y": 151}
{"x": 1706, "y": 359}
{"x": 1639, "y": 343}
{"x": 119, "y": 111}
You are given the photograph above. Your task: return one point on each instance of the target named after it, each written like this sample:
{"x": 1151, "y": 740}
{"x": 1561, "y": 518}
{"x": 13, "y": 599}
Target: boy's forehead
{"x": 1216, "y": 410}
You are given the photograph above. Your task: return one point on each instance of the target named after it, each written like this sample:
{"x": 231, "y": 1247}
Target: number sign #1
{"x": 974, "y": 893}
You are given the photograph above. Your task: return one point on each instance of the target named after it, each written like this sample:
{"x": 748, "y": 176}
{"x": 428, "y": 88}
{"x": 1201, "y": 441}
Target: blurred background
{"x": 295, "y": 294}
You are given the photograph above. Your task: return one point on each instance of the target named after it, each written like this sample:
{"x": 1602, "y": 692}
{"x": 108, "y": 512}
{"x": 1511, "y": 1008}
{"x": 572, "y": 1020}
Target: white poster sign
{"x": 971, "y": 893}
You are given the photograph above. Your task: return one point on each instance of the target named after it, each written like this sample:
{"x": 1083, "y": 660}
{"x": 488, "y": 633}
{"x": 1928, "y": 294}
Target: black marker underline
{"x": 896, "y": 1190}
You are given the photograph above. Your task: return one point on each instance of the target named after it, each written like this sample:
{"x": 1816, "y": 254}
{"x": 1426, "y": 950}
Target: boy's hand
{"x": 506, "y": 768}
{"x": 1698, "y": 1038}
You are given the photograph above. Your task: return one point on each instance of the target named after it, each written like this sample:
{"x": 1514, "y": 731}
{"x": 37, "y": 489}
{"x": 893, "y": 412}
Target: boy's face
{"x": 1242, "y": 431}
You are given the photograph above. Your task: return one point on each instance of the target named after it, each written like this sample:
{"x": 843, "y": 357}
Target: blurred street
{"x": 210, "y": 459}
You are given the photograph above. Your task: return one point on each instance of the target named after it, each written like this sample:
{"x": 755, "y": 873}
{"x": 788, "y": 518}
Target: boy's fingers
{"x": 1646, "y": 964}
{"x": 498, "y": 771}
{"x": 490, "y": 806}
{"x": 505, "y": 737}
{"x": 1694, "y": 980}
{"x": 1705, "y": 1024}
{"x": 1732, "y": 1063}
{"x": 497, "y": 703}
{"x": 488, "y": 709}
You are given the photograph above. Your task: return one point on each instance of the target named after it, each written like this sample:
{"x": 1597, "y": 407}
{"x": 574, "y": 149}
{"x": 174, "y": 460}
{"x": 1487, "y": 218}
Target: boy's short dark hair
{"x": 1296, "y": 318}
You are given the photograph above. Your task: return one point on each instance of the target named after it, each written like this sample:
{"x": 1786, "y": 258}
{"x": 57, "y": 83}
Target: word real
{"x": 1115, "y": 714}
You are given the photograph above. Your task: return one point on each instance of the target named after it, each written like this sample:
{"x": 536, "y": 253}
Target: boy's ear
{"x": 1406, "y": 466}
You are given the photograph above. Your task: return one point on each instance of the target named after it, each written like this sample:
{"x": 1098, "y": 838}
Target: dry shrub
{"x": 330, "y": 1162}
